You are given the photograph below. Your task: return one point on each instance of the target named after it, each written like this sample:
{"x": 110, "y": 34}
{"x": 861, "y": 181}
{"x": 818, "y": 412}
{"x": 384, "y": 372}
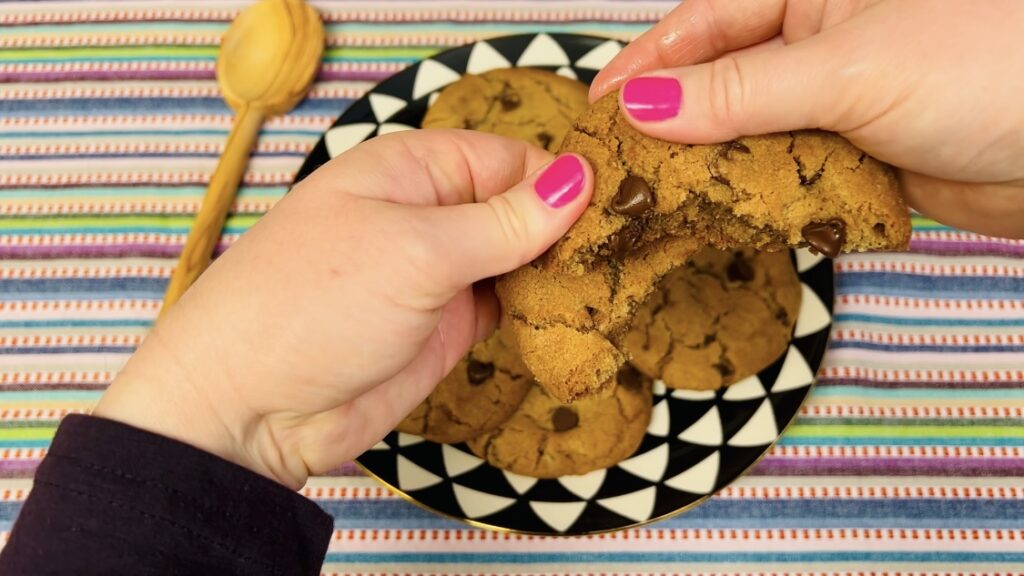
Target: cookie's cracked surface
{"x": 655, "y": 204}
{"x": 480, "y": 393}
{"x": 719, "y": 318}
{"x": 547, "y": 439}
{"x": 523, "y": 103}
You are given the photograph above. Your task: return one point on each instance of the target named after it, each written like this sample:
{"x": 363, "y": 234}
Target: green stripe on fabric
{"x": 130, "y": 191}
{"x": 56, "y": 223}
{"x": 25, "y": 433}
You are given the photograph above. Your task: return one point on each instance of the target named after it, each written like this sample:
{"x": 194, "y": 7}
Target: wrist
{"x": 167, "y": 389}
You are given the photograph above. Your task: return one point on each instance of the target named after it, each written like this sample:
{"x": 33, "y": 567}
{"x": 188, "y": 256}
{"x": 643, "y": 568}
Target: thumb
{"x": 471, "y": 242}
{"x": 810, "y": 84}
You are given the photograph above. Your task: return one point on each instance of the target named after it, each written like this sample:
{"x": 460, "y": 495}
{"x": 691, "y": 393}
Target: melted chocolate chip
{"x": 509, "y": 100}
{"x": 739, "y": 269}
{"x": 545, "y": 140}
{"x": 729, "y": 147}
{"x": 629, "y": 378}
{"x": 634, "y": 197}
{"x": 479, "y": 372}
{"x": 826, "y": 237}
{"x": 564, "y": 418}
{"x": 725, "y": 368}
{"x": 622, "y": 242}
{"x": 782, "y": 316}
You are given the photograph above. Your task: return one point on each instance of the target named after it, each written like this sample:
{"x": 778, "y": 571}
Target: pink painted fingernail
{"x": 561, "y": 182}
{"x": 652, "y": 98}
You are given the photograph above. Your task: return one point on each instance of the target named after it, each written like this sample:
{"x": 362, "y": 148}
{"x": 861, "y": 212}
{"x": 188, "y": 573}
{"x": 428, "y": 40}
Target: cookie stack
{"x": 722, "y": 316}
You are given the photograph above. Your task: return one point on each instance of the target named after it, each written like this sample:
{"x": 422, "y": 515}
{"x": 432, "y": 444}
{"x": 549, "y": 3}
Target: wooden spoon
{"x": 266, "y": 65}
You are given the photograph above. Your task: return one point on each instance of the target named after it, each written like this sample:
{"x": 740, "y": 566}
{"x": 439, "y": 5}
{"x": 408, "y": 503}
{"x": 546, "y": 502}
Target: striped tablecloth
{"x": 908, "y": 459}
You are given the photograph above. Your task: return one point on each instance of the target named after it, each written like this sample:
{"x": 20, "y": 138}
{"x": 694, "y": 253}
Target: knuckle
{"x": 727, "y": 91}
{"x": 514, "y": 228}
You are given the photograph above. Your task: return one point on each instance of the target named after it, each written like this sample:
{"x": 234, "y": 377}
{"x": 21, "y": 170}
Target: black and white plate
{"x": 697, "y": 442}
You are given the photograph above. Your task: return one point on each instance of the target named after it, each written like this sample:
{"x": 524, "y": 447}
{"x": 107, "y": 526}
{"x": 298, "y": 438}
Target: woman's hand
{"x": 934, "y": 88}
{"x": 340, "y": 310}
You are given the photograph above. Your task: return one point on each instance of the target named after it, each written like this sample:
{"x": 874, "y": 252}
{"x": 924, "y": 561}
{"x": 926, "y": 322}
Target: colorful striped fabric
{"x": 908, "y": 459}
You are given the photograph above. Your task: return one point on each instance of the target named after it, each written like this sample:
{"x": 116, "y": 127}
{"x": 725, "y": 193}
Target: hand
{"x": 931, "y": 87}
{"x": 334, "y": 316}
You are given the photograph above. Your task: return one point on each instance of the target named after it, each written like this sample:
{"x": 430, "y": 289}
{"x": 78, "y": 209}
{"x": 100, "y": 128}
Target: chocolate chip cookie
{"x": 719, "y": 318}
{"x": 548, "y": 439}
{"x": 655, "y": 204}
{"x": 480, "y": 393}
{"x": 524, "y": 103}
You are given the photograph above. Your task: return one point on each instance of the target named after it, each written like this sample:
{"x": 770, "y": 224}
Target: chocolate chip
{"x": 479, "y": 372}
{"x": 634, "y": 197}
{"x": 622, "y": 242}
{"x": 545, "y": 140}
{"x": 729, "y": 147}
{"x": 629, "y": 378}
{"x": 564, "y": 418}
{"x": 782, "y": 316}
{"x": 879, "y": 228}
{"x": 509, "y": 100}
{"x": 826, "y": 237}
{"x": 739, "y": 269}
{"x": 725, "y": 368}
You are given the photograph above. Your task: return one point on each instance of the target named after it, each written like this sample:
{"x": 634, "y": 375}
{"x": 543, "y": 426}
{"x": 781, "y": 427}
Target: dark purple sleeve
{"x": 112, "y": 499}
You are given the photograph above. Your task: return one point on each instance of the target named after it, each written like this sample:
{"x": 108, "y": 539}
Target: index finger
{"x": 694, "y": 32}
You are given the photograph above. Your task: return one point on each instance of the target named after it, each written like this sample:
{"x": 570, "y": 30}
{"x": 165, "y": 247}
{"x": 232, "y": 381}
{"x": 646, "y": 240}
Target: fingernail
{"x": 561, "y": 181}
{"x": 652, "y": 98}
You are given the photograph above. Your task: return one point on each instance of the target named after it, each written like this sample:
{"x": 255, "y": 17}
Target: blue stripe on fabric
{"x": 66, "y": 350}
{"x": 675, "y": 556}
{"x": 946, "y": 348}
{"x": 923, "y": 321}
{"x": 66, "y": 288}
{"x": 715, "y": 514}
{"x": 76, "y": 323}
{"x": 955, "y": 287}
{"x": 137, "y": 106}
{"x": 725, "y": 513}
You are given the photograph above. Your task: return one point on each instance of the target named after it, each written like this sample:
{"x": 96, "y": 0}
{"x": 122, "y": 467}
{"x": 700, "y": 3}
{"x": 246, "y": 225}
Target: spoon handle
{"x": 220, "y": 195}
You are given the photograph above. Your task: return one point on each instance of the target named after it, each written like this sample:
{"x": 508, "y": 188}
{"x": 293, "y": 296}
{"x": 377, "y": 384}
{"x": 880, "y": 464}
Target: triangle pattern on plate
{"x": 521, "y": 484}
{"x": 636, "y": 506}
{"x": 543, "y": 51}
{"x": 385, "y": 106}
{"x": 484, "y": 58}
{"x": 458, "y": 462}
{"x": 585, "y": 485}
{"x": 391, "y": 127}
{"x": 382, "y": 445}
{"x": 700, "y": 478}
{"x": 760, "y": 430}
{"x": 795, "y": 373}
{"x": 650, "y": 465}
{"x": 567, "y": 72}
{"x": 813, "y": 315}
{"x": 750, "y": 388}
{"x": 408, "y": 439}
{"x": 558, "y": 515}
{"x": 342, "y": 138}
{"x": 660, "y": 420}
{"x": 432, "y": 75}
{"x": 805, "y": 259}
{"x": 414, "y": 477}
{"x": 705, "y": 432}
{"x": 476, "y": 504}
{"x": 693, "y": 395}
{"x": 600, "y": 56}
